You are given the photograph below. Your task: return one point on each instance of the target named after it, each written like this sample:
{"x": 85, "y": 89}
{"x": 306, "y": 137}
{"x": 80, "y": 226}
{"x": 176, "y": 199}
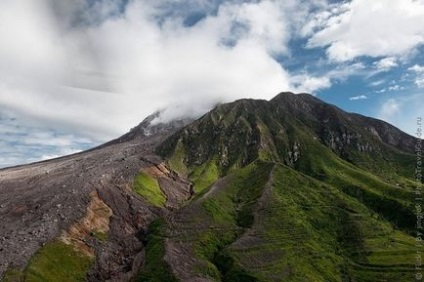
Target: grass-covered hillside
{"x": 290, "y": 190}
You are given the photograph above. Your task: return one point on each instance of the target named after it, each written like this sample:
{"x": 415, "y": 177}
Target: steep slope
{"x": 291, "y": 190}
{"x": 235, "y": 134}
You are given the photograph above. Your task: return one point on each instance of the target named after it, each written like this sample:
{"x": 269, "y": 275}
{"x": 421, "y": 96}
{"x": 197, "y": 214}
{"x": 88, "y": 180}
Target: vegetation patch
{"x": 156, "y": 269}
{"x": 390, "y": 209}
{"x": 229, "y": 211}
{"x": 176, "y": 159}
{"x": 100, "y": 235}
{"x": 204, "y": 176}
{"x": 13, "y": 275}
{"x": 57, "y": 261}
{"x": 230, "y": 270}
{"x": 148, "y": 188}
{"x": 217, "y": 211}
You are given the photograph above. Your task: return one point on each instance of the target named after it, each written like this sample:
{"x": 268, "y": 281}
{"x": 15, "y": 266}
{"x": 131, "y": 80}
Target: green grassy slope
{"x": 156, "y": 269}
{"x": 148, "y": 187}
{"x": 311, "y": 194}
{"x": 57, "y": 261}
{"x": 282, "y": 225}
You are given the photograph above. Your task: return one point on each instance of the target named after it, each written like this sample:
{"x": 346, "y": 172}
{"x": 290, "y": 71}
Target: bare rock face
{"x": 73, "y": 198}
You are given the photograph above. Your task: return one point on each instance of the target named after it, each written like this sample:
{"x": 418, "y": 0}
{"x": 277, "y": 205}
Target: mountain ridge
{"x": 287, "y": 111}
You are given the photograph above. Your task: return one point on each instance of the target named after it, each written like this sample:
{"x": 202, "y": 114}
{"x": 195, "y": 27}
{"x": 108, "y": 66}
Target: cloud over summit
{"x": 108, "y": 64}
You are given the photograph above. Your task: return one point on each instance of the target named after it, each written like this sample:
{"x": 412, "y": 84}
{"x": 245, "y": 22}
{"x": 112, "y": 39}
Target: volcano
{"x": 291, "y": 189}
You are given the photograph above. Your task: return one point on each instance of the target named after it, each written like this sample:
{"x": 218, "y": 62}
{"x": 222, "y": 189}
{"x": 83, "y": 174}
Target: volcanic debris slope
{"x": 291, "y": 189}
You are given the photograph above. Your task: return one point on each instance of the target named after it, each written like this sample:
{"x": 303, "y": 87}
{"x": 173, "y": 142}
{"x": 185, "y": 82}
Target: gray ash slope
{"x": 40, "y": 200}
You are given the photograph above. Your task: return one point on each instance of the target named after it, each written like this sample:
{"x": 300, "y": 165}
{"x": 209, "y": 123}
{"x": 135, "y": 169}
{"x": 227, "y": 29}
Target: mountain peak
{"x": 239, "y": 132}
{"x": 149, "y": 127}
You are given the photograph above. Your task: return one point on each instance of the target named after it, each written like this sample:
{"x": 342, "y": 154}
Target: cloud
{"x": 62, "y": 152}
{"x": 23, "y": 141}
{"x": 377, "y": 83}
{"x": 309, "y": 84}
{"x": 312, "y": 83}
{"x": 94, "y": 69}
{"x": 343, "y": 71}
{"x": 85, "y": 13}
{"x": 390, "y": 108}
{"x": 419, "y": 81}
{"x": 98, "y": 68}
{"x": 402, "y": 111}
{"x": 417, "y": 68}
{"x": 360, "y": 97}
{"x": 386, "y": 64}
{"x": 395, "y": 87}
{"x": 419, "y": 72}
{"x": 376, "y": 28}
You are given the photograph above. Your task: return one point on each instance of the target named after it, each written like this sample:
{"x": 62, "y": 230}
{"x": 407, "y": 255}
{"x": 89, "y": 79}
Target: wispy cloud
{"x": 309, "y": 84}
{"x": 417, "y": 68}
{"x": 390, "y": 108}
{"x": 359, "y": 97}
{"x": 419, "y": 72}
{"x": 22, "y": 141}
{"x": 395, "y": 87}
{"x": 386, "y": 64}
{"x": 377, "y": 83}
{"x": 402, "y": 111}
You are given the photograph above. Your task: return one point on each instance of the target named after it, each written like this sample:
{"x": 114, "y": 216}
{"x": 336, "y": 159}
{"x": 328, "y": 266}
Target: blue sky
{"x": 74, "y": 74}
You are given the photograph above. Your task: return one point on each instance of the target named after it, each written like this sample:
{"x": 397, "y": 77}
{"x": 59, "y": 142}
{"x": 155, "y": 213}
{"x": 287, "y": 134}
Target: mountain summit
{"x": 291, "y": 189}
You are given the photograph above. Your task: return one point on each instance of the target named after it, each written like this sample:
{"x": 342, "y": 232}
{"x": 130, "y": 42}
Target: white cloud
{"x": 309, "y": 84}
{"x": 395, "y": 87}
{"x": 386, "y": 64}
{"x": 390, "y": 108}
{"x": 100, "y": 77}
{"x": 99, "y": 74}
{"x": 360, "y": 97}
{"x": 23, "y": 141}
{"x": 419, "y": 81}
{"x": 61, "y": 153}
{"x": 377, "y": 83}
{"x": 255, "y": 18}
{"x": 343, "y": 71}
{"x": 419, "y": 71}
{"x": 368, "y": 28}
{"x": 84, "y": 72}
{"x": 417, "y": 68}
{"x": 402, "y": 111}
